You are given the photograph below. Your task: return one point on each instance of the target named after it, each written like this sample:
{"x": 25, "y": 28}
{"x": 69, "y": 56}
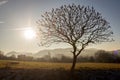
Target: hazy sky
{"x": 16, "y": 15}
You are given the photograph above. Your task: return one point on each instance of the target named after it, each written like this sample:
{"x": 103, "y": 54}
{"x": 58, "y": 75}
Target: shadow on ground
{"x": 59, "y": 74}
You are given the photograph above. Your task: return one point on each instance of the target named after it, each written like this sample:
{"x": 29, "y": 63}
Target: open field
{"x": 20, "y": 70}
{"x": 49, "y": 65}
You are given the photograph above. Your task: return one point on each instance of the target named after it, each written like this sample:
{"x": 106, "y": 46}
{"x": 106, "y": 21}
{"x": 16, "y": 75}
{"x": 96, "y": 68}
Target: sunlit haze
{"x": 29, "y": 33}
{"x": 18, "y": 20}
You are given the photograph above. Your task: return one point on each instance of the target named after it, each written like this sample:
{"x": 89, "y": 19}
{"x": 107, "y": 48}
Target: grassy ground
{"x": 20, "y": 70}
{"x": 49, "y": 65}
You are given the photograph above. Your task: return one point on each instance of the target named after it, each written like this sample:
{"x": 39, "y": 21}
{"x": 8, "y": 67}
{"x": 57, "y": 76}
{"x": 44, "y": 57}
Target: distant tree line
{"x": 100, "y": 56}
{"x": 13, "y": 57}
{"x": 108, "y": 57}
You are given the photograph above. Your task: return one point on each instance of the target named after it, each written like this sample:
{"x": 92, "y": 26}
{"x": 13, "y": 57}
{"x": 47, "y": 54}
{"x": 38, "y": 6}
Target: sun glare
{"x": 29, "y": 33}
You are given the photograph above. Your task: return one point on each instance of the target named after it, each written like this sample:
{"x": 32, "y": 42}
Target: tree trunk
{"x": 73, "y": 64}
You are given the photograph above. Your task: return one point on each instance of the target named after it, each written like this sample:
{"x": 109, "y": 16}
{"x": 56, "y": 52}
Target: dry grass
{"x": 49, "y": 65}
{"x": 20, "y": 70}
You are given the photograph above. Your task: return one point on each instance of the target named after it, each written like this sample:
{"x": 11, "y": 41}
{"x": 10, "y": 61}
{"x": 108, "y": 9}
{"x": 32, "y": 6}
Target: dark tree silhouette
{"x": 106, "y": 57}
{"x": 76, "y": 25}
{"x": 2, "y": 55}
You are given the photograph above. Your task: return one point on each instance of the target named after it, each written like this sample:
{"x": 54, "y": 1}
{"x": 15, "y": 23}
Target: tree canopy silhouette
{"x": 76, "y": 25}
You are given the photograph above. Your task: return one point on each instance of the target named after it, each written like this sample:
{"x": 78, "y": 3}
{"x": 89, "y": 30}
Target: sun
{"x": 29, "y": 33}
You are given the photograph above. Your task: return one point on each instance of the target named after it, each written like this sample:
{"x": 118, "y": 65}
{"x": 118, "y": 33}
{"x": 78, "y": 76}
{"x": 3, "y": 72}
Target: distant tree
{"x": 117, "y": 59}
{"x": 54, "y": 59}
{"x": 83, "y": 59}
{"x": 65, "y": 59}
{"x": 104, "y": 56}
{"x": 2, "y": 55}
{"x": 21, "y": 57}
{"x": 91, "y": 59}
{"x": 47, "y": 57}
{"x": 76, "y": 25}
{"x": 24, "y": 57}
{"x": 12, "y": 57}
{"x": 1, "y": 52}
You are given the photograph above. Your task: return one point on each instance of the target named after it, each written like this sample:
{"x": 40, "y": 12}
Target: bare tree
{"x": 76, "y": 25}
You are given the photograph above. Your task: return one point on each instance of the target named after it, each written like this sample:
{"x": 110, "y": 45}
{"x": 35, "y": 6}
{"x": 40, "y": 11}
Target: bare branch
{"x": 76, "y": 25}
